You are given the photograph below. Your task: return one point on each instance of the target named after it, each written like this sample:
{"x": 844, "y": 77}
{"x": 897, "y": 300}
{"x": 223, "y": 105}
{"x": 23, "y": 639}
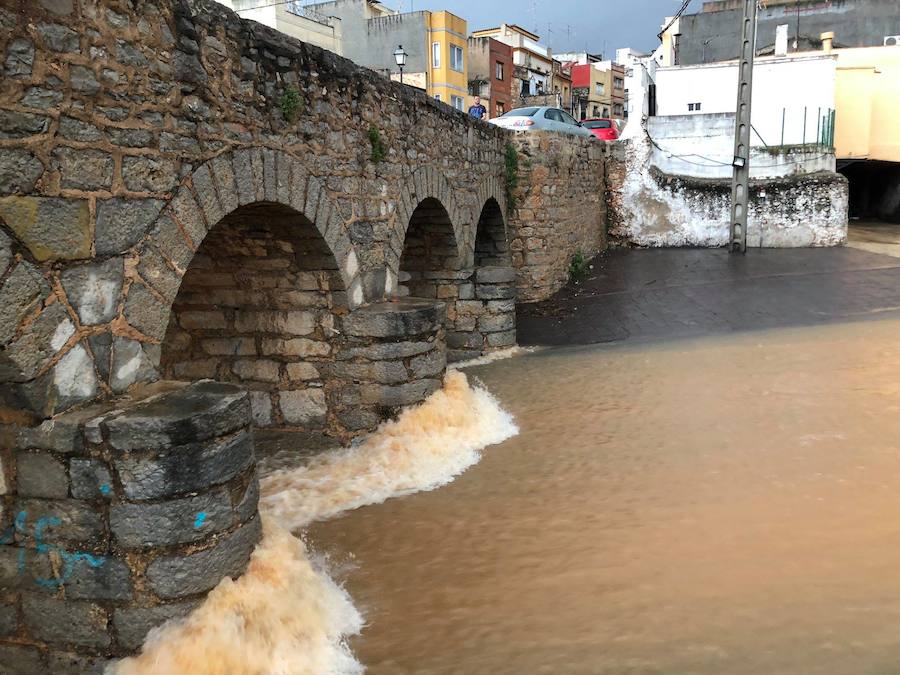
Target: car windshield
{"x": 521, "y": 112}
{"x": 597, "y": 124}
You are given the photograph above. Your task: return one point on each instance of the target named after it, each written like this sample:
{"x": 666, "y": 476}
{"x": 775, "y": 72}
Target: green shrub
{"x": 578, "y": 268}
{"x": 289, "y": 103}
{"x": 378, "y": 151}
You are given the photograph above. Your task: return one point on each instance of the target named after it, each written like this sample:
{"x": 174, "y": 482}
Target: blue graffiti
{"x": 105, "y": 489}
{"x": 199, "y": 520}
{"x": 69, "y": 558}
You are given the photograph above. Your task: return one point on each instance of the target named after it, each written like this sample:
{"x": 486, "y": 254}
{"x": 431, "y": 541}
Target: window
{"x": 567, "y": 118}
{"x": 551, "y": 114}
{"x": 499, "y": 72}
{"x": 605, "y": 111}
{"x": 599, "y": 88}
{"x": 435, "y": 54}
{"x": 522, "y": 112}
{"x": 501, "y": 108}
{"x": 457, "y": 102}
{"x": 693, "y": 106}
{"x": 618, "y": 83}
{"x": 617, "y": 109}
{"x": 456, "y": 58}
{"x": 598, "y": 124}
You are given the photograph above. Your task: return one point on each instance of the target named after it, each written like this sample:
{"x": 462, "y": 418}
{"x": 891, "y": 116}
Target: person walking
{"x": 477, "y": 110}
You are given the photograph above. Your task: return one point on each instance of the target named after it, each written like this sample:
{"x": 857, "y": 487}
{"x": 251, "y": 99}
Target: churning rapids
{"x": 711, "y": 506}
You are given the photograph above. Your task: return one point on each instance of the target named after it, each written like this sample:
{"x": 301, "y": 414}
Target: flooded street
{"x": 712, "y": 505}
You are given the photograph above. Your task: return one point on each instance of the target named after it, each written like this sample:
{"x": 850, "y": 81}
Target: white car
{"x": 541, "y": 118}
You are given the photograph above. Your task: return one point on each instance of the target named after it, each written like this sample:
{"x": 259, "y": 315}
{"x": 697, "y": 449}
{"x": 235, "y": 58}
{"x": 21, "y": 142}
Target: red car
{"x": 603, "y": 128}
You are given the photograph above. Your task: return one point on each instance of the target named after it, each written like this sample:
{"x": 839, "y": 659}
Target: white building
{"x": 292, "y": 18}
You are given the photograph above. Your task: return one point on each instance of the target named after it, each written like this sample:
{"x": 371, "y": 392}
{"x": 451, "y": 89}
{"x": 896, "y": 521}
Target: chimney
{"x": 827, "y": 41}
{"x": 781, "y": 40}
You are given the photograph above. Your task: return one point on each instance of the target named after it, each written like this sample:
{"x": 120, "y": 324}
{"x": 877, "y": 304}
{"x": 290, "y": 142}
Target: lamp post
{"x": 400, "y": 58}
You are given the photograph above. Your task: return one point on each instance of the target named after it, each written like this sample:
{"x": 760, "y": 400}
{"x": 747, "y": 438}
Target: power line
{"x": 674, "y": 18}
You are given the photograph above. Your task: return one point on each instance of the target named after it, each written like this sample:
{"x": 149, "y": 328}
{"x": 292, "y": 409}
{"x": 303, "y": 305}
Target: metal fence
{"x": 805, "y": 126}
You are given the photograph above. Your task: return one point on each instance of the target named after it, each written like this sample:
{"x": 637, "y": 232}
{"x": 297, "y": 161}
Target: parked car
{"x": 541, "y": 118}
{"x": 604, "y": 128}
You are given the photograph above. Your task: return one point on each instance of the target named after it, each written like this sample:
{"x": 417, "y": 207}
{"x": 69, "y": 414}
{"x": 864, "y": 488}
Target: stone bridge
{"x": 188, "y": 196}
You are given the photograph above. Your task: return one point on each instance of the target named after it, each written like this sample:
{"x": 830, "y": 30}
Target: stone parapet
{"x": 119, "y": 517}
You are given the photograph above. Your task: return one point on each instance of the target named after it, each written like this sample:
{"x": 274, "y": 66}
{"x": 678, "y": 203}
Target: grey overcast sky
{"x": 567, "y": 25}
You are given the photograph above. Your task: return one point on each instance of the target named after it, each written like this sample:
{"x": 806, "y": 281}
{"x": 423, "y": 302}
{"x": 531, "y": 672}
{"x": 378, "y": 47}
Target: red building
{"x": 490, "y": 74}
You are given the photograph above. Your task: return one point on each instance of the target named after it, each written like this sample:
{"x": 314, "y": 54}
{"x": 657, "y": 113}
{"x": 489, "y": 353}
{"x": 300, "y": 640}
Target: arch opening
{"x": 491, "y": 246}
{"x": 258, "y": 306}
{"x": 429, "y": 265}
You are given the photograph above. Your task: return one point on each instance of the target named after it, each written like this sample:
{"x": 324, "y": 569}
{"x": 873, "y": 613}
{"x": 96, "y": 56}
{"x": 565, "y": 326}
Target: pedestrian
{"x": 477, "y": 110}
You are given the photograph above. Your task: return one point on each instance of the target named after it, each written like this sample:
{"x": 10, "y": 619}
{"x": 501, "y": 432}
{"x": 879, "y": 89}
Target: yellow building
{"x": 447, "y": 40}
{"x": 867, "y": 100}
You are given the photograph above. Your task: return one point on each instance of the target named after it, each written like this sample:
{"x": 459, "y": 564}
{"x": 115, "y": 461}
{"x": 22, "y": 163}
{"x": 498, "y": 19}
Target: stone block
{"x": 93, "y": 290}
{"x": 260, "y": 370}
{"x": 496, "y": 323}
{"x": 432, "y": 364}
{"x": 149, "y": 174}
{"x": 457, "y": 355}
{"x": 399, "y": 395}
{"x": 229, "y": 346}
{"x": 80, "y": 624}
{"x": 121, "y": 223}
{"x": 186, "y": 468}
{"x": 24, "y": 568}
{"x": 495, "y": 292}
{"x": 383, "y": 372}
{"x": 194, "y": 413}
{"x": 40, "y": 341}
{"x": 145, "y": 312}
{"x": 202, "y": 320}
{"x": 21, "y": 660}
{"x": 130, "y": 363}
{"x": 98, "y": 578}
{"x": 40, "y": 474}
{"x": 133, "y": 623}
{"x": 301, "y": 371}
{"x": 84, "y": 81}
{"x": 224, "y": 178}
{"x": 83, "y": 169}
{"x": 504, "y": 339}
{"x": 154, "y": 270}
{"x": 178, "y": 521}
{"x": 38, "y": 97}
{"x": 19, "y": 171}
{"x": 20, "y": 294}
{"x": 403, "y": 318}
{"x": 248, "y": 506}
{"x": 206, "y": 195}
{"x": 186, "y": 210}
{"x": 77, "y": 130}
{"x": 180, "y": 576}
{"x": 302, "y": 347}
{"x": 261, "y": 408}
{"x": 58, "y": 38}
{"x": 74, "y": 378}
{"x": 386, "y": 351}
{"x": 22, "y": 125}
{"x": 90, "y": 479}
{"x": 19, "y": 58}
{"x": 65, "y": 522}
{"x": 495, "y": 275}
{"x": 358, "y": 419}
{"x": 9, "y": 621}
{"x": 501, "y": 306}
{"x": 53, "y": 228}
{"x": 464, "y": 340}
{"x": 270, "y": 321}
{"x": 304, "y": 407}
{"x": 130, "y": 138}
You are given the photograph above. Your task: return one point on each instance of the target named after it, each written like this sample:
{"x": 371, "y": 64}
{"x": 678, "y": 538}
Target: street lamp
{"x": 400, "y": 58}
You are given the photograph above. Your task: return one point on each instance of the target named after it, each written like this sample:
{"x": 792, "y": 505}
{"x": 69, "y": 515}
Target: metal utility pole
{"x": 740, "y": 181}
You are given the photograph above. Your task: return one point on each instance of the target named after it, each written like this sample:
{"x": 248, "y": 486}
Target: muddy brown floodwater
{"x": 726, "y": 505}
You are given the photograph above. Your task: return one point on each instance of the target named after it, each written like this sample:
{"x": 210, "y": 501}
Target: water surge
{"x": 285, "y": 615}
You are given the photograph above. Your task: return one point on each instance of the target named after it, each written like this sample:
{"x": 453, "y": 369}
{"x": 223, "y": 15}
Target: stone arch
{"x": 243, "y": 278}
{"x": 424, "y": 183}
{"x": 488, "y": 189}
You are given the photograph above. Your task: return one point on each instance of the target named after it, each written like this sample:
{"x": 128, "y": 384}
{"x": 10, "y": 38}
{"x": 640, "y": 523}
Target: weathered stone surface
{"x": 77, "y": 130}
{"x": 505, "y": 339}
{"x": 301, "y": 371}
{"x": 52, "y": 228}
{"x": 122, "y": 222}
{"x": 8, "y": 621}
{"x": 38, "y": 97}
{"x": 383, "y": 372}
{"x": 144, "y": 311}
{"x": 74, "y": 377}
{"x": 261, "y": 408}
{"x": 21, "y": 293}
{"x": 495, "y": 275}
{"x": 40, "y": 474}
{"x": 133, "y": 623}
{"x": 185, "y": 468}
{"x": 19, "y": 659}
{"x": 83, "y": 169}
{"x": 58, "y": 7}
{"x": 199, "y": 411}
{"x": 70, "y": 663}
{"x": 83, "y": 80}
{"x": 494, "y": 291}
{"x": 150, "y": 174}
{"x": 399, "y": 395}
{"x": 248, "y": 506}
{"x": 14, "y": 575}
{"x": 66, "y": 521}
{"x": 304, "y": 407}
{"x": 99, "y": 578}
{"x": 19, "y": 171}
{"x": 40, "y": 341}
{"x": 386, "y": 351}
{"x": 59, "y": 435}
{"x": 290, "y": 322}
{"x": 432, "y": 364}
{"x": 130, "y": 138}
{"x": 496, "y": 323}
{"x": 64, "y": 622}
{"x": 130, "y": 364}
{"x": 395, "y": 319}
{"x": 179, "y": 576}
{"x": 258, "y": 370}
{"x": 58, "y": 38}
{"x": 94, "y": 289}
{"x": 356, "y": 419}
{"x": 19, "y": 58}
{"x": 89, "y": 479}
{"x": 295, "y": 347}
{"x": 21, "y": 125}
{"x": 178, "y": 521}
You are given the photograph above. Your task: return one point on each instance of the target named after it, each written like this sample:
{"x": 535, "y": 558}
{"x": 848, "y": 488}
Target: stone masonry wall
{"x": 560, "y": 210}
{"x": 124, "y": 515}
{"x": 129, "y": 130}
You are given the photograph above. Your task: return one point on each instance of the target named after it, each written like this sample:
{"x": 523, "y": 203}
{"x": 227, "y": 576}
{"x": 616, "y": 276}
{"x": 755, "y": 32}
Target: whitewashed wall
{"x": 702, "y": 146}
{"x": 798, "y": 86}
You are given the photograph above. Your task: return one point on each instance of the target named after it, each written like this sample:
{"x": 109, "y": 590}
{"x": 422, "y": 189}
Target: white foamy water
{"x": 285, "y": 615}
